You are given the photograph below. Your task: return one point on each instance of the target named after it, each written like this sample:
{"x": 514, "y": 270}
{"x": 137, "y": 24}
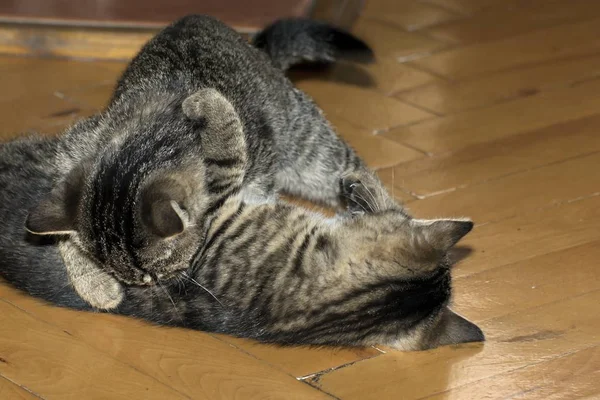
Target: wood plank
{"x": 569, "y": 40}
{"x": 377, "y": 153}
{"x": 366, "y": 108}
{"x": 409, "y": 15}
{"x": 195, "y": 364}
{"x": 302, "y": 361}
{"x": 529, "y": 283}
{"x": 516, "y": 194}
{"x": 492, "y": 160}
{"x": 38, "y": 77}
{"x": 511, "y": 18}
{"x": 9, "y": 390}
{"x": 342, "y": 13}
{"x": 530, "y": 235}
{"x": 390, "y": 76}
{"x": 464, "y": 6}
{"x": 149, "y": 14}
{"x": 81, "y": 43}
{"x": 452, "y": 97}
{"x": 390, "y": 41}
{"x": 388, "y": 178}
{"x": 515, "y": 341}
{"x": 385, "y": 75}
{"x": 52, "y": 363}
{"x": 34, "y": 99}
{"x": 27, "y": 114}
{"x": 458, "y": 131}
{"x": 575, "y": 375}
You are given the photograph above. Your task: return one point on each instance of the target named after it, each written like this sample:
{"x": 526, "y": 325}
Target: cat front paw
{"x": 354, "y": 194}
{"x": 104, "y": 293}
{"x": 363, "y": 193}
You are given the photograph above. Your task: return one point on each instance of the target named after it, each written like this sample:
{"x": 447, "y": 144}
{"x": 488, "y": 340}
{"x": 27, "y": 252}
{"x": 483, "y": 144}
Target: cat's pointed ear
{"x": 55, "y": 214}
{"x": 453, "y": 329}
{"x": 163, "y": 212}
{"x": 443, "y": 234}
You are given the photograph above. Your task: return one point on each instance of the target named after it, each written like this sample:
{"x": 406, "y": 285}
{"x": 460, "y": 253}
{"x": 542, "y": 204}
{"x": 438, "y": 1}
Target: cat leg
{"x": 315, "y": 158}
{"x": 98, "y": 288}
{"x": 222, "y": 139}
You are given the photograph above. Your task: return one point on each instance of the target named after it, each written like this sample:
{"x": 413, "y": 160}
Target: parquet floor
{"x": 484, "y": 108}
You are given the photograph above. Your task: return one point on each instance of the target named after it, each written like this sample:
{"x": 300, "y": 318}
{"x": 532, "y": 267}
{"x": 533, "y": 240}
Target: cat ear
{"x": 166, "y": 218}
{"x": 162, "y": 210}
{"x": 443, "y": 234}
{"x": 55, "y": 215}
{"x": 454, "y": 329}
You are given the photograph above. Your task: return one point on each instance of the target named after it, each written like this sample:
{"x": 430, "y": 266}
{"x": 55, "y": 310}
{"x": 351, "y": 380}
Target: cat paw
{"x": 348, "y": 184}
{"x": 354, "y": 194}
{"x": 362, "y": 192}
{"x": 207, "y": 103}
{"x": 106, "y": 295}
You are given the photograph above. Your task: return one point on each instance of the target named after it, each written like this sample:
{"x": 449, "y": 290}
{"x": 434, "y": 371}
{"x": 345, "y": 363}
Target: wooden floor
{"x": 483, "y": 108}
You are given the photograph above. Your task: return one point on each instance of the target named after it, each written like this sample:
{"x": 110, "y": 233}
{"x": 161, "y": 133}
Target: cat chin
{"x": 412, "y": 341}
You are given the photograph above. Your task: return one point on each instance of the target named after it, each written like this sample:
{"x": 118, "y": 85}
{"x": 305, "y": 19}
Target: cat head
{"x": 140, "y": 229}
{"x": 419, "y": 242}
{"x": 413, "y": 255}
{"x": 138, "y": 208}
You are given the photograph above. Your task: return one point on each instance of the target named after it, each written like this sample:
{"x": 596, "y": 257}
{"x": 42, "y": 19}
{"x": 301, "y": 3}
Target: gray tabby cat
{"x": 165, "y": 208}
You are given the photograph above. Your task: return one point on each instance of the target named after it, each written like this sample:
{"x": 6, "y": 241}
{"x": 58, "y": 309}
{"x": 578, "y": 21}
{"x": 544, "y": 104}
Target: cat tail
{"x": 294, "y": 41}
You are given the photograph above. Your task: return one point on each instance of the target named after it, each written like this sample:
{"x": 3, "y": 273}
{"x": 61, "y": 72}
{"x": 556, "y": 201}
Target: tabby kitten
{"x": 168, "y": 205}
{"x": 279, "y": 273}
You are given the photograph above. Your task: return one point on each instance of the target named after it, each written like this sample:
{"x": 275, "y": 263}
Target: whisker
{"x": 393, "y": 182}
{"x": 202, "y": 287}
{"x": 152, "y": 297}
{"x": 385, "y": 197}
{"x": 366, "y": 201}
{"x": 172, "y": 302}
{"x": 361, "y": 206}
{"x": 181, "y": 283}
{"x": 377, "y": 207}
